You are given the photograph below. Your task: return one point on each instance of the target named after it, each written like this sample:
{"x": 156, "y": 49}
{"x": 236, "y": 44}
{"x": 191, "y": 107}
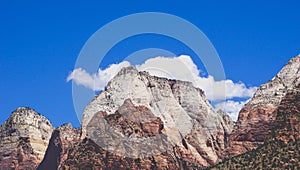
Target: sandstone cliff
{"x": 62, "y": 140}
{"x": 258, "y": 115}
{"x": 189, "y": 122}
{"x": 24, "y": 139}
{"x": 281, "y": 147}
{"x": 145, "y": 122}
{"x": 88, "y": 154}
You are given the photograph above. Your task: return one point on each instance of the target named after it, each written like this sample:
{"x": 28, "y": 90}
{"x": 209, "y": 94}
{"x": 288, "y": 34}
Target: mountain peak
{"x": 24, "y": 138}
{"x": 24, "y": 111}
{"x": 280, "y": 150}
{"x": 290, "y": 73}
{"x": 23, "y": 108}
{"x": 183, "y": 109}
{"x": 128, "y": 70}
{"x": 257, "y": 116}
{"x": 27, "y": 116}
{"x": 296, "y": 58}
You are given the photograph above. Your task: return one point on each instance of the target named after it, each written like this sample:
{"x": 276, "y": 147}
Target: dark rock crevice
{"x": 52, "y": 157}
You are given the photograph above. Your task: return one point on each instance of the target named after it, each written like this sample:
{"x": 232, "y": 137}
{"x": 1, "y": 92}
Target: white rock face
{"x": 272, "y": 92}
{"x": 24, "y": 139}
{"x": 183, "y": 109}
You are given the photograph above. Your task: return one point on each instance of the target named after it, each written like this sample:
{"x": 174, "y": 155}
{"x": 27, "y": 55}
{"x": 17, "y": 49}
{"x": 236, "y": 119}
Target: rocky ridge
{"x": 281, "y": 147}
{"x": 258, "y": 115}
{"x": 183, "y": 130}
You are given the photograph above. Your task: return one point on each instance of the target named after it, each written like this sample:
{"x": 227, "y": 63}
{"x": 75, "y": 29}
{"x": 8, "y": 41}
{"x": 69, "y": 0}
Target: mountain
{"x": 141, "y": 121}
{"x": 88, "y": 153}
{"x": 282, "y": 145}
{"x": 133, "y": 106}
{"x": 138, "y": 121}
{"x": 258, "y": 116}
{"x": 24, "y": 138}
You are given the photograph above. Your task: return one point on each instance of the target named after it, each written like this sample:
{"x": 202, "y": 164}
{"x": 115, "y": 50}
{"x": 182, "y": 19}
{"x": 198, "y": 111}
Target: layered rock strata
{"x": 24, "y": 139}
{"x": 190, "y": 123}
{"x": 258, "y": 115}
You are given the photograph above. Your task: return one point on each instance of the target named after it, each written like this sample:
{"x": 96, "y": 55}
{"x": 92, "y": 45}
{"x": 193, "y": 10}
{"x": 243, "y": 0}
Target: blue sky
{"x": 40, "y": 42}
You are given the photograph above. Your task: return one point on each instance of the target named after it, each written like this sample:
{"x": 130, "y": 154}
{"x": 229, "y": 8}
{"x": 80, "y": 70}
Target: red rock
{"x": 257, "y": 117}
{"x": 24, "y": 139}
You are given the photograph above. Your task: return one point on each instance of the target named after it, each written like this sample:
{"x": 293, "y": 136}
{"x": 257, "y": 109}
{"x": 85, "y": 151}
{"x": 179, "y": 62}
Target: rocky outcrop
{"x": 123, "y": 132}
{"x": 189, "y": 123}
{"x": 133, "y": 121}
{"x": 281, "y": 147}
{"x": 258, "y": 115}
{"x": 24, "y": 139}
{"x": 62, "y": 140}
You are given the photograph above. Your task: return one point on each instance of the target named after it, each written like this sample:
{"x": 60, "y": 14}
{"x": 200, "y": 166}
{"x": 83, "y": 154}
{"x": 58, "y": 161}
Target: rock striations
{"x": 189, "y": 122}
{"x": 24, "y": 139}
{"x": 145, "y": 122}
{"x": 258, "y": 115}
{"x": 281, "y": 147}
{"x": 90, "y": 153}
{"x": 62, "y": 140}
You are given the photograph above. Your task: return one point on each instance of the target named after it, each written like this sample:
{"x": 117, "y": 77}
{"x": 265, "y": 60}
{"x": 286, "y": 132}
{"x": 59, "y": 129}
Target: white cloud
{"x": 216, "y": 90}
{"x": 96, "y": 81}
{"x": 231, "y": 107}
{"x": 81, "y": 77}
{"x": 181, "y": 68}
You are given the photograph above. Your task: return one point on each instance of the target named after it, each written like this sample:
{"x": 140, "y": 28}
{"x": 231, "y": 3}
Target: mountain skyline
{"x": 149, "y": 122}
{"x": 241, "y": 95}
{"x": 223, "y": 94}
{"x": 40, "y": 42}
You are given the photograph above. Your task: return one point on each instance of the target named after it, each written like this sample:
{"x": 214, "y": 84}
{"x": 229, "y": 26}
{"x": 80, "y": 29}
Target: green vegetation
{"x": 271, "y": 155}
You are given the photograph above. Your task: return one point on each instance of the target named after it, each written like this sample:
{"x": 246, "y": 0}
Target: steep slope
{"x": 258, "y": 115}
{"x": 88, "y": 154}
{"x": 24, "y": 139}
{"x": 62, "y": 140}
{"x": 281, "y": 150}
{"x": 190, "y": 123}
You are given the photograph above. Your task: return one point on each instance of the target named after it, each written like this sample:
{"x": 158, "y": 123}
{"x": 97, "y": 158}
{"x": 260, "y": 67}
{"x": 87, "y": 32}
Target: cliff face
{"x": 62, "y": 140}
{"x": 281, "y": 148}
{"x": 187, "y": 120}
{"x": 89, "y": 153}
{"x": 258, "y": 115}
{"x": 24, "y": 139}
